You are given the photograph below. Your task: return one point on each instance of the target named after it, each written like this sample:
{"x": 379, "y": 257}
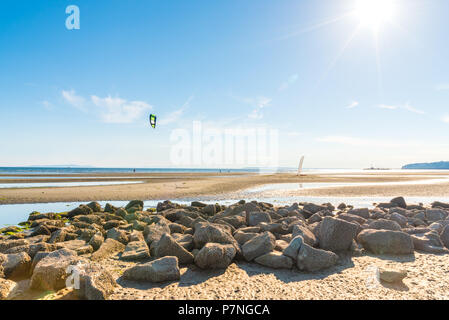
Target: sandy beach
{"x": 157, "y": 186}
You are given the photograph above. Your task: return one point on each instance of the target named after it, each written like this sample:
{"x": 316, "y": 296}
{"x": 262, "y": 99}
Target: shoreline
{"x": 227, "y": 185}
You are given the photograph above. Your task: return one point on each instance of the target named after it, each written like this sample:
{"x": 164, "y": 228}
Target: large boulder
{"x": 167, "y": 246}
{"x": 117, "y": 234}
{"x": 399, "y": 218}
{"x": 254, "y": 218}
{"x": 15, "y": 265}
{"x": 275, "y": 260}
{"x": 399, "y": 202}
{"x": 8, "y": 244}
{"x": 444, "y": 236}
{"x": 293, "y": 247}
{"x": 306, "y": 234}
{"x": 428, "y": 242}
{"x": 336, "y": 234}
{"x": 95, "y": 282}
{"x": 96, "y": 241}
{"x": 383, "y": 224}
{"x": 215, "y": 256}
{"x": 109, "y": 248}
{"x": 136, "y": 250}
{"x": 51, "y": 272}
{"x": 386, "y": 241}
{"x": 243, "y": 237}
{"x": 259, "y": 245}
{"x": 154, "y": 231}
{"x": 206, "y": 232}
{"x": 361, "y": 212}
{"x": 312, "y": 259}
{"x": 160, "y": 270}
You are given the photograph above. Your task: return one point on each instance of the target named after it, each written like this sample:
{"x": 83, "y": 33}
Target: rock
{"x": 137, "y": 250}
{"x": 167, "y": 246}
{"x": 433, "y": 215}
{"x": 316, "y": 217}
{"x": 351, "y": 218}
{"x": 392, "y": 276}
{"x": 58, "y": 236}
{"x": 209, "y": 210}
{"x": 107, "y": 249}
{"x": 399, "y": 202}
{"x": 293, "y": 247}
{"x": 386, "y": 241}
{"x": 206, "y": 232}
{"x": 95, "y": 282}
{"x": 342, "y": 206}
{"x": 198, "y": 204}
{"x": 8, "y": 244}
{"x": 313, "y": 208}
{"x": 275, "y": 260}
{"x": 160, "y": 270}
{"x": 112, "y": 224}
{"x": 81, "y": 210}
{"x": 243, "y": 237}
{"x": 117, "y": 234}
{"x": 438, "y": 204}
{"x": 16, "y": 265}
{"x": 400, "y": 219}
{"x": 96, "y": 241}
{"x": 153, "y": 232}
{"x": 6, "y": 287}
{"x": 444, "y": 236}
{"x": 134, "y": 203}
{"x": 383, "y": 224}
{"x": 361, "y": 212}
{"x": 51, "y": 272}
{"x": 336, "y": 234}
{"x": 72, "y": 244}
{"x": 312, "y": 259}
{"x": 215, "y": 256}
{"x": 259, "y": 245}
{"x": 136, "y": 236}
{"x": 95, "y": 206}
{"x": 254, "y": 218}
{"x": 306, "y": 235}
{"x": 109, "y": 208}
{"x": 429, "y": 242}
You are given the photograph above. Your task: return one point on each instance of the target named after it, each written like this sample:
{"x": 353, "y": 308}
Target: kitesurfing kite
{"x": 300, "y": 166}
{"x": 153, "y": 120}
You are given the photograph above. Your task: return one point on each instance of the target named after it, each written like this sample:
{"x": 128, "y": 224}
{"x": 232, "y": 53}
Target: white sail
{"x": 300, "y": 165}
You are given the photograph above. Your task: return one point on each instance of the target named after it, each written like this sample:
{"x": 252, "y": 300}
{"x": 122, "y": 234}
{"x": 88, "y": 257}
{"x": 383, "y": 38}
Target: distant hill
{"x": 432, "y": 165}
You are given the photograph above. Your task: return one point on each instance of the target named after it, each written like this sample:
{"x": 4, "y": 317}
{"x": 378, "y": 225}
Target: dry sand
{"x": 226, "y": 185}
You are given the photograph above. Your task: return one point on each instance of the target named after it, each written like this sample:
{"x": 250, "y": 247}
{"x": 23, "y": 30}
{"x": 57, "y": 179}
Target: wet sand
{"x": 173, "y": 186}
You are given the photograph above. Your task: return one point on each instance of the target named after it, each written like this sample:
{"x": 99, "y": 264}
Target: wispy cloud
{"x": 364, "y": 142}
{"x": 405, "y": 106}
{"x": 117, "y": 110}
{"x": 291, "y": 80}
{"x": 443, "y": 87}
{"x": 260, "y": 103}
{"x": 175, "y": 115}
{"x": 75, "y": 100}
{"x": 47, "y": 105}
{"x": 352, "y": 105}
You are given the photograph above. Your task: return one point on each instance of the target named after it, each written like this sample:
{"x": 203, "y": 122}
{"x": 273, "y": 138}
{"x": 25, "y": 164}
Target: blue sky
{"x": 83, "y": 96}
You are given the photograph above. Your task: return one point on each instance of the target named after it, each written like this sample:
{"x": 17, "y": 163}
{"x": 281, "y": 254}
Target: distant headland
{"x": 442, "y": 165}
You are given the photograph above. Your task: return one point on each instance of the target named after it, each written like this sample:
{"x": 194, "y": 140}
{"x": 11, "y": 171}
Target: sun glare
{"x": 375, "y": 13}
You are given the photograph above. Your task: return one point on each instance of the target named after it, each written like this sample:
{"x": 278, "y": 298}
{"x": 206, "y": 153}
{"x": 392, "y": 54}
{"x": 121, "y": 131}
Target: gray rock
{"x": 386, "y": 241}
{"x": 399, "y": 202}
{"x": 153, "y": 232}
{"x": 258, "y": 246}
{"x": 51, "y": 272}
{"x": 254, "y": 218}
{"x": 109, "y": 248}
{"x": 293, "y": 247}
{"x": 306, "y": 235}
{"x": 96, "y": 241}
{"x": 167, "y": 246}
{"x": 312, "y": 259}
{"x": 429, "y": 242}
{"x": 117, "y": 234}
{"x": 336, "y": 234}
{"x": 400, "y": 219}
{"x": 281, "y": 245}
{"x": 243, "y": 237}
{"x": 16, "y": 265}
{"x": 160, "y": 270}
{"x": 137, "y": 250}
{"x": 351, "y": 218}
{"x": 444, "y": 236}
{"x": 433, "y": 215}
{"x": 391, "y": 275}
{"x": 361, "y": 212}
{"x": 215, "y": 256}
{"x": 206, "y": 232}
{"x": 383, "y": 224}
{"x": 275, "y": 260}
{"x": 6, "y": 287}
{"x": 96, "y": 283}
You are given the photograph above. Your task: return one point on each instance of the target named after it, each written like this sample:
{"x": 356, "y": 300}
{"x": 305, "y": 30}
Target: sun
{"x": 375, "y": 13}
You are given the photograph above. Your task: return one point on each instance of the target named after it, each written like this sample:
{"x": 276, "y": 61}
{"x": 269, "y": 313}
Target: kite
{"x": 153, "y": 120}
